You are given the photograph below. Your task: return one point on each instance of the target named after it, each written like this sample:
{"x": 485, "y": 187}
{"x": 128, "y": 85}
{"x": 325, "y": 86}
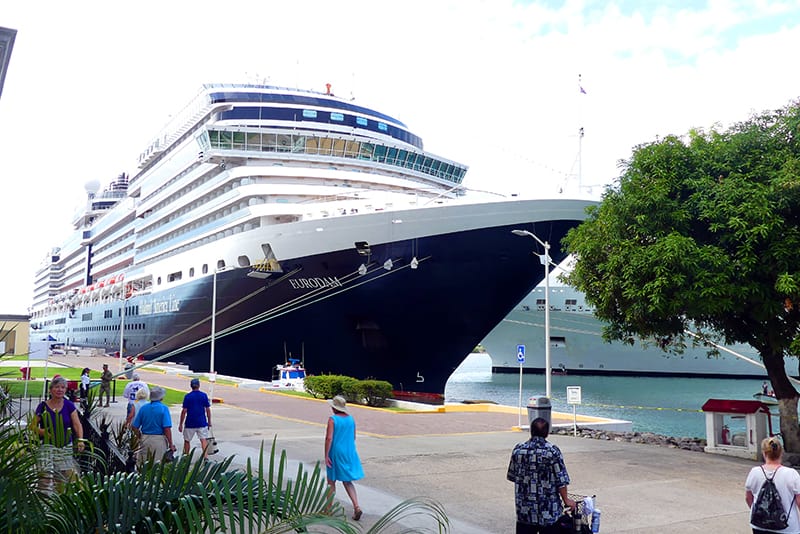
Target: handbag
{"x": 565, "y": 524}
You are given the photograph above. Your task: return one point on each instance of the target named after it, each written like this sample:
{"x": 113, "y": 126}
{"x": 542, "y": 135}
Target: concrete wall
{"x": 14, "y": 331}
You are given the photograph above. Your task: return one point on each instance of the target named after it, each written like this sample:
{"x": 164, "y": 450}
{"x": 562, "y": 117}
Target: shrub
{"x": 375, "y": 392}
{"x": 326, "y": 386}
{"x": 369, "y": 392}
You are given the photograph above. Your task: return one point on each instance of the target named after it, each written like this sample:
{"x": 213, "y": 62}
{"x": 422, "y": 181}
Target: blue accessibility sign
{"x": 521, "y": 353}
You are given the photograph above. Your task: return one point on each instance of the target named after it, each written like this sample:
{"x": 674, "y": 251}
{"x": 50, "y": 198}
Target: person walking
{"x": 341, "y": 457}
{"x": 196, "y": 413}
{"x": 59, "y": 429}
{"x": 142, "y": 398}
{"x": 133, "y": 386}
{"x": 540, "y": 480}
{"x": 105, "y": 384}
{"x": 786, "y": 479}
{"x": 85, "y": 383}
{"x": 154, "y": 423}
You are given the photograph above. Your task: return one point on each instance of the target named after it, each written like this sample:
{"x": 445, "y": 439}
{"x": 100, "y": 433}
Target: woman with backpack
{"x": 772, "y": 492}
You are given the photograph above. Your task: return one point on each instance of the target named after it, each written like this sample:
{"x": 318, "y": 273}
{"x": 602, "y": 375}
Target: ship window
{"x": 225, "y": 140}
{"x": 174, "y": 277}
{"x": 205, "y": 268}
{"x": 253, "y": 141}
{"x": 244, "y": 261}
{"x": 158, "y": 282}
{"x": 338, "y": 147}
{"x": 351, "y": 151}
{"x": 540, "y": 302}
{"x": 366, "y": 150}
{"x": 238, "y": 140}
{"x": 361, "y": 121}
{"x": 191, "y": 272}
{"x": 571, "y": 302}
{"x": 382, "y": 127}
{"x": 310, "y": 113}
{"x": 337, "y": 117}
{"x": 312, "y": 145}
{"x": 220, "y": 264}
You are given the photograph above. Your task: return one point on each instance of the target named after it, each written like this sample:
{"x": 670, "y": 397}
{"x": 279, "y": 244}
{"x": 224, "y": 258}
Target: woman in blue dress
{"x": 341, "y": 457}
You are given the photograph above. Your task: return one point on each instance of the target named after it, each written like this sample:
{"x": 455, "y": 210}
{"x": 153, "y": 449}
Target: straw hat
{"x": 338, "y": 403}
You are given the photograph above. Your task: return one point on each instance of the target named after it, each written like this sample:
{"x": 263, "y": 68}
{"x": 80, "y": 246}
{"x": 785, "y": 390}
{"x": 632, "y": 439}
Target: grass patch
{"x": 291, "y": 392}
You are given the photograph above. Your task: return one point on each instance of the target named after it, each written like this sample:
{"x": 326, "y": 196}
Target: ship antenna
{"x": 580, "y": 135}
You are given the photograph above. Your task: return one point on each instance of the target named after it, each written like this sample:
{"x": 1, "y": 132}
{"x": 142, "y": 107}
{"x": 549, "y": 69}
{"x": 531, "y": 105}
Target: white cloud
{"x": 490, "y": 84}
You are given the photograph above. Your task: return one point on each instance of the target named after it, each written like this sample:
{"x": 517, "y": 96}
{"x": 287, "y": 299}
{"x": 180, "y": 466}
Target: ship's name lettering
{"x": 160, "y": 306}
{"x": 315, "y": 283}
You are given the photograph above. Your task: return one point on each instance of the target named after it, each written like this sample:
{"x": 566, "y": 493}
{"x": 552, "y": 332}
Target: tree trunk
{"x": 787, "y": 400}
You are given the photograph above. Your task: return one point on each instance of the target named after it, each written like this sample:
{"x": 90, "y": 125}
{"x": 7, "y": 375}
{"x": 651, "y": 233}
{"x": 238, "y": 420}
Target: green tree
{"x": 702, "y": 234}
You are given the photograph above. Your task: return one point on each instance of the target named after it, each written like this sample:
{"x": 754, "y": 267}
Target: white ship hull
{"x": 577, "y": 346}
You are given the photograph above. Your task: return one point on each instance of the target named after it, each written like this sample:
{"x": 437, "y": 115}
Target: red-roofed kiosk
{"x": 736, "y": 427}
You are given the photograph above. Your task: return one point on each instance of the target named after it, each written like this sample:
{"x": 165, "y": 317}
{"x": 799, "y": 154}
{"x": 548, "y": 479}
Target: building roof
{"x": 14, "y": 318}
{"x": 7, "y": 36}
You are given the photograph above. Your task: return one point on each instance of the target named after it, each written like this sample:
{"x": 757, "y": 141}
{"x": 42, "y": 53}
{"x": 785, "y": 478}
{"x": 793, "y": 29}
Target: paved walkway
{"x": 460, "y": 459}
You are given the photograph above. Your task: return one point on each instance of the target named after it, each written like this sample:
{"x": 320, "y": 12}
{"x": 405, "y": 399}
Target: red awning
{"x": 734, "y": 406}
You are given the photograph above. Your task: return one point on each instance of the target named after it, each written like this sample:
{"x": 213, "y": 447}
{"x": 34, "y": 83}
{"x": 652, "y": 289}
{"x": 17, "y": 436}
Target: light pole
{"x": 546, "y": 261}
{"x": 122, "y": 329}
{"x": 212, "y": 377}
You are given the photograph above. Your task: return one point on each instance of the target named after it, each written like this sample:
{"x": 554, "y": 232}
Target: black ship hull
{"x": 410, "y": 323}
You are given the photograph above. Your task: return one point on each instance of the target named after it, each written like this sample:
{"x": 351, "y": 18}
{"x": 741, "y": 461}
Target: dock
{"x": 460, "y": 456}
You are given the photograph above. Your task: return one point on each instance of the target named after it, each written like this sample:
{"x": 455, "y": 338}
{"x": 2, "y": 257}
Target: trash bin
{"x": 539, "y": 407}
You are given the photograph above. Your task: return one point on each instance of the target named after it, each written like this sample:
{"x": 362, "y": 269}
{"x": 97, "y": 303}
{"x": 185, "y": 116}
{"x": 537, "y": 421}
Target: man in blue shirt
{"x": 196, "y": 414}
{"x": 540, "y": 482}
{"x": 154, "y": 422}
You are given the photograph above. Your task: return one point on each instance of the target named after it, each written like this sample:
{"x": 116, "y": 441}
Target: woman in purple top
{"x": 59, "y": 428}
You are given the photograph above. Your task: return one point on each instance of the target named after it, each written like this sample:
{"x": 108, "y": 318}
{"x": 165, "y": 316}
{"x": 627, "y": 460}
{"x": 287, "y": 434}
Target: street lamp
{"x": 212, "y": 377}
{"x": 545, "y": 259}
{"x": 122, "y": 329}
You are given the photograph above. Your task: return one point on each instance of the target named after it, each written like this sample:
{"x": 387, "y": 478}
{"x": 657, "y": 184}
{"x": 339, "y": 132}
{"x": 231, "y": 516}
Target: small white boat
{"x": 290, "y": 375}
{"x": 766, "y": 399}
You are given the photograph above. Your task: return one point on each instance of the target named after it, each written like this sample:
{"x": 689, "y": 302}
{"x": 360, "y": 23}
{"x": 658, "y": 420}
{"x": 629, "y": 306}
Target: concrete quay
{"x": 460, "y": 459}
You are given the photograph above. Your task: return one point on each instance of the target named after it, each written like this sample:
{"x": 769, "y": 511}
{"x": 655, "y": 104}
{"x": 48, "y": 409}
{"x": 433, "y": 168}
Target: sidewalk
{"x": 460, "y": 459}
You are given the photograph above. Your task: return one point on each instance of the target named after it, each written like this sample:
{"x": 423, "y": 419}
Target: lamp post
{"x": 212, "y": 377}
{"x": 545, "y": 258}
{"x": 122, "y": 330}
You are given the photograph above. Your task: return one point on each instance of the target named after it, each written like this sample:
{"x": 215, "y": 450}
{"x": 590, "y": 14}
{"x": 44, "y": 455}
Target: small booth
{"x": 736, "y": 427}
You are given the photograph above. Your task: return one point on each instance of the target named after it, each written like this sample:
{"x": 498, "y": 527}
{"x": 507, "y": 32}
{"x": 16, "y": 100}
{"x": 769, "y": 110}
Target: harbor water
{"x": 669, "y": 406}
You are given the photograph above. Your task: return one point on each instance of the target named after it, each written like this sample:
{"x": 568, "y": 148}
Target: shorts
{"x": 189, "y": 433}
{"x": 154, "y": 445}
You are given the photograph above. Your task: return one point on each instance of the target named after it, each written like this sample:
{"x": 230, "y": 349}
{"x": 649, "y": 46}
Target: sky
{"x": 492, "y": 84}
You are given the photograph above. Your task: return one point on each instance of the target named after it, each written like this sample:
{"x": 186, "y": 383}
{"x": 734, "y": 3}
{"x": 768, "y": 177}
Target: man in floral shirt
{"x": 540, "y": 481}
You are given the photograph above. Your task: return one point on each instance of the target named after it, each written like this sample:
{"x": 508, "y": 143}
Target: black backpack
{"x": 768, "y": 512}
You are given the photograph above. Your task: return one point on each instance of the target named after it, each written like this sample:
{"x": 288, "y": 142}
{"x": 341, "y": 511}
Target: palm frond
{"x": 419, "y": 510}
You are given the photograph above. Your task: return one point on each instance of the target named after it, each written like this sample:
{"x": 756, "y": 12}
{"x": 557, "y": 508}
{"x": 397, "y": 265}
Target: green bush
{"x": 375, "y": 392}
{"x": 369, "y": 392}
{"x": 326, "y": 386}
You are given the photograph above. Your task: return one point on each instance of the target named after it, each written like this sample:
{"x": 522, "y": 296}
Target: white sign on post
{"x": 574, "y": 398}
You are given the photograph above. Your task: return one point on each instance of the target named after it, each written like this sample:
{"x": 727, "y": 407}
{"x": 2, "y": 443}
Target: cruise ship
{"x": 578, "y": 348}
{"x": 264, "y": 223}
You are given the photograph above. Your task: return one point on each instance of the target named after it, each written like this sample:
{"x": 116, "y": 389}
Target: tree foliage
{"x": 702, "y": 233}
